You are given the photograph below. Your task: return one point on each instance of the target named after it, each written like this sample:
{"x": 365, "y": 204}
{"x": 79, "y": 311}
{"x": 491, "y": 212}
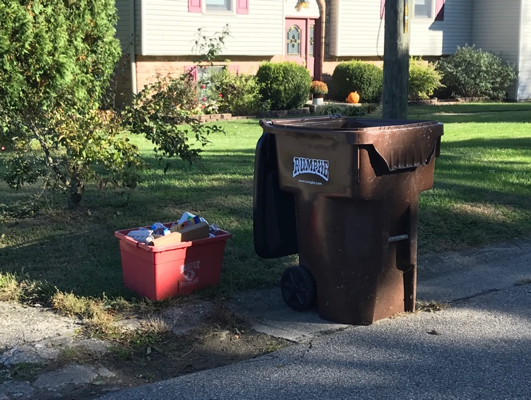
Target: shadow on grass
{"x": 88, "y": 263}
{"x": 466, "y": 222}
{"x": 77, "y": 252}
{"x": 493, "y": 170}
{"x": 520, "y": 144}
{"x": 481, "y": 194}
{"x": 461, "y": 113}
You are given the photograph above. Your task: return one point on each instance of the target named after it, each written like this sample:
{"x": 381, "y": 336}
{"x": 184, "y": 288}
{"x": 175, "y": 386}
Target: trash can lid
{"x": 401, "y": 143}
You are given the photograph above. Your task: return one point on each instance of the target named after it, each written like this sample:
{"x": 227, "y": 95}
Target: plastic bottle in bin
{"x": 158, "y": 228}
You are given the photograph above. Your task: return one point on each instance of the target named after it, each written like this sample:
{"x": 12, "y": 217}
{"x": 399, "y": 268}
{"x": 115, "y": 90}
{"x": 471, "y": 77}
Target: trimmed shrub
{"x": 424, "y": 79}
{"x": 357, "y": 76}
{"x": 346, "y": 111}
{"x": 284, "y": 85}
{"x": 471, "y": 72}
{"x": 237, "y": 94}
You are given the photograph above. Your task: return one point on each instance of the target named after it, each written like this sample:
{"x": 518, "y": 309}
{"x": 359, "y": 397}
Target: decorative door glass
{"x": 294, "y": 41}
{"x": 311, "y": 39}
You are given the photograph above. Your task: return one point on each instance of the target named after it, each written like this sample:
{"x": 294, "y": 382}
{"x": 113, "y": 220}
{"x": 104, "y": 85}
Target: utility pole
{"x": 396, "y": 59}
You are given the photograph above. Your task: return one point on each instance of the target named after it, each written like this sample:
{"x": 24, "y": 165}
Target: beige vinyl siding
{"x": 359, "y": 31}
{"x": 169, "y": 29}
{"x": 123, "y": 27}
{"x": 496, "y": 28}
{"x": 524, "y": 68}
{"x": 332, "y": 26}
{"x": 138, "y": 25}
{"x": 436, "y": 38}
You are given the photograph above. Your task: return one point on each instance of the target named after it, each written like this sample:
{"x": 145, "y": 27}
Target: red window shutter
{"x": 192, "y": 70}
{"x": 439, "y": 10}
{"x": 382, "y": 9}
{"x": 194, "y": 6}
{"x": 242, "y": 6}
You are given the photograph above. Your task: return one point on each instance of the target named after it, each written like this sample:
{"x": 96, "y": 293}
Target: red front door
{"x": 300, "y": 42}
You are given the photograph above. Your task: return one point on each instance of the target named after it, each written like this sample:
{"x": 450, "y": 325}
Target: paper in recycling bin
{"x": 188, "y": 227}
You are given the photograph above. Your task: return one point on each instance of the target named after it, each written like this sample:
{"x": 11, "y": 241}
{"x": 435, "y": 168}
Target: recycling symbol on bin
{"x": 189, "y": 275}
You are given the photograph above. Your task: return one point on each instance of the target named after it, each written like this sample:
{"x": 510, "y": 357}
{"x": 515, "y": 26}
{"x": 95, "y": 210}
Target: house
{"x": 158, "y": 36}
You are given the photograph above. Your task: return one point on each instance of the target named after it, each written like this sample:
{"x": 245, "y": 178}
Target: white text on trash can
{"x": 302, "y": 165}
{"x": 189, "y": 273}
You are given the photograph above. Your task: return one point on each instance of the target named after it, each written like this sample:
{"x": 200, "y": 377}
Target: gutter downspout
{"x": 322, "y": 11}
{"x": 132, "y": 52}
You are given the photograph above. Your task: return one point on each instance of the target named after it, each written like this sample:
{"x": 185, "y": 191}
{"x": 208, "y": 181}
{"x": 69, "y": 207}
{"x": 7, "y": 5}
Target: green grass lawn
{"x": 482, "y": 186}
{"x": 481, "y": 195}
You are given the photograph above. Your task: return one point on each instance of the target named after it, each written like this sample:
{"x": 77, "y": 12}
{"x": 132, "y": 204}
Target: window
{"x": 205, "y": 71}
{"x": 196, "y": 6}
{"x": 424, "y": 9}
{"x": 312, "y": 39}
{"x": 218, "y": 5}
{"x": 421, "y": 9}
{"x": 293, "y": 41}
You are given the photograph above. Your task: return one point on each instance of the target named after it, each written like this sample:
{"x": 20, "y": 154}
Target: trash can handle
{"x": 333, "y": 116}
{"x": 315, "y": 118}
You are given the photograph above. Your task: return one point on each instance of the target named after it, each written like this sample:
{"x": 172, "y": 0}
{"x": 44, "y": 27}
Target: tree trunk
{"x": 396, "y": 60}
{"x": 76, "y": 192}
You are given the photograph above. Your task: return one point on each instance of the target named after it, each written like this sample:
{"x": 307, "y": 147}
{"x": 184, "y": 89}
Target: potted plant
{"x": 318, "y": 89}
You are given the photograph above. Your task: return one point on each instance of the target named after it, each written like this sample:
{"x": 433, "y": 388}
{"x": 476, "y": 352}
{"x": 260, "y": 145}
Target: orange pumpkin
{"x": 353, "y": 97}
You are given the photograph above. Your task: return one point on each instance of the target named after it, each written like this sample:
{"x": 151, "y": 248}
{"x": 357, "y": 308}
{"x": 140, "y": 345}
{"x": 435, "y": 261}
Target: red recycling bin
{"x": 161, "y": 272}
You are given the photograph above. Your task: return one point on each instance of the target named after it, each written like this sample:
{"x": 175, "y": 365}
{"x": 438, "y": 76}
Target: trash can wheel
{"x": 298, "y": 288}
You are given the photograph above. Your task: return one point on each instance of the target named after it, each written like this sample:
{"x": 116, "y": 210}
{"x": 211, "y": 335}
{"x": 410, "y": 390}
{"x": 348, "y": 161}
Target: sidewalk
{"x": 479, "y": 347}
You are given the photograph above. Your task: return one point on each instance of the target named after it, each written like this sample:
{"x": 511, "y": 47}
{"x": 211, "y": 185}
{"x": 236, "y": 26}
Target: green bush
{"x": 424, "y": 79}
{"x": 283, "y": 86}
{"x": 346, "y": 111}
{"x": 472, "y": 72}
{"x": 364, "y": 78}
{"x": 237, "y": 94}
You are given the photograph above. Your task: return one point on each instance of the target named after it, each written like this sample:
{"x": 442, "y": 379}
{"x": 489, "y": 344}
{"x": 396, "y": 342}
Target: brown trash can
{"x": 343, "y": 194}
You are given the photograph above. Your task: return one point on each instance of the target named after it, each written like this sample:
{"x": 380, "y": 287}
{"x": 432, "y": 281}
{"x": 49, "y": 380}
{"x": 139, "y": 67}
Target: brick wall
{"x": 147, "y": 67}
